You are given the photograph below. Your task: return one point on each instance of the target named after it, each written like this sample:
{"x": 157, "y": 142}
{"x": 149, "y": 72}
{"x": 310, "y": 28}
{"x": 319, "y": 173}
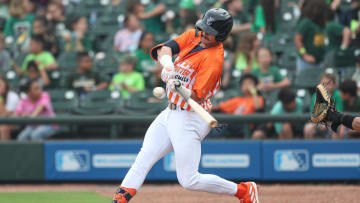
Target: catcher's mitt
{"x": 323, "y": 104}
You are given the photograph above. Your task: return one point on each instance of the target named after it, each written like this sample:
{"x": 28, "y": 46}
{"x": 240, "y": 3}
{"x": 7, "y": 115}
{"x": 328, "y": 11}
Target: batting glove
{"x": 174, "y": 84}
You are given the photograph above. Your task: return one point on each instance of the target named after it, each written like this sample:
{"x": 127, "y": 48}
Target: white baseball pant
{"x": 179, "y": 131}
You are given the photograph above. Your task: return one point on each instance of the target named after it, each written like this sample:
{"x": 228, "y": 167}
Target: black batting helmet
{"x": 216, "y": 21}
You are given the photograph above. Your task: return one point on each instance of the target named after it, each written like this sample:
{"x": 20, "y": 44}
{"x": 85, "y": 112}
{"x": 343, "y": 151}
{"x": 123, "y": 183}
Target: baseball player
{"x": 198, "y": 66}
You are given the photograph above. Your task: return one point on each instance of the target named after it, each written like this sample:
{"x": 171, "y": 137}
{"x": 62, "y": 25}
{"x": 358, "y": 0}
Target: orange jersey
{"x": 199, "y": 71}
{"x": 240, "y": 105}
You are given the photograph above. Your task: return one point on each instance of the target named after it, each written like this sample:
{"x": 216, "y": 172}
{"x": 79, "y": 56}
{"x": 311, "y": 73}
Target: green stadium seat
{"x": 308, "y": 78}
{"x": 305, "y": 96}
{"x": 143, "y": 103}
{"x": 64, "y": 101}
{"x": 99, "y": 103}
{"x": 108, "y": 62}
{"x": 67, "y": 61}
{"x": 12, "y": 78}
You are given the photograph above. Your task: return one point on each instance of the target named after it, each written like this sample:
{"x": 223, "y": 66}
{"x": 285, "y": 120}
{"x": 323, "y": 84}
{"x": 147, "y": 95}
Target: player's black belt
{"x": 173, "y": 106}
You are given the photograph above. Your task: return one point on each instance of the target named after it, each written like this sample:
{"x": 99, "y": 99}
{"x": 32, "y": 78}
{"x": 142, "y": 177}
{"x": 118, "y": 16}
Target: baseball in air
{"x": 159, "y": 92}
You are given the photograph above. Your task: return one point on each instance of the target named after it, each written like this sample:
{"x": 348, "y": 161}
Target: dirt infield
{"x": 269, "y": 193}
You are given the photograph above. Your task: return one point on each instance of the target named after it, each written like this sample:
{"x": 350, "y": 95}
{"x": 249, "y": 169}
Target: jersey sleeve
{"x": 177, "y": 43}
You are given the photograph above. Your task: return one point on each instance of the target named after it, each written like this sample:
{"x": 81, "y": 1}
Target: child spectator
{"x": 19, "y": 25}
{"x": 127, "y": 39}
{"x": 310, "y": 36}
{"x": 311, "y": 129}
{"x": 356, "y": 75}
{"x": 78, "y": 39}
{"x": 246, "y": 52}
{"x": 39, "y": 75}
{"x": 127, "y": 81}
{"x": 289, "y": 104}
{"x": 40, "y": 27}
{"x": 145, "y": 64}
{"x": 85, "y": 79}
{"x": 36, "y": 104}
{"x": 8, "y": 103}
{"x": 5, "y": 59}
{"x": 249, "y": 103}
{"x": 55, "y": 15}
{"x": 348, "y": 90}
{"x": 45, "y": 60}
{"x": 268, "y": 74}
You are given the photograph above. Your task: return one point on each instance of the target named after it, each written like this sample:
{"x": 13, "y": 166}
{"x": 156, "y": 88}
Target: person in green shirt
{"x": 78, "y": 40}
{"x": 269, "y": 75}
{"x": 127, "y": 81}
{"x": 19, "y": 25}
{"x": 265, "y": 18}
{"x": 240, "y": 17}
{"x": 311, "y": 129}
{"x": 145, "y": 65}
{"x": 44, "y": 59}
{"x": 290, "y": 104}
{"x": 85, "y": 79}
{"x": 150, "y": 14}
{"x": 310, "y": 35}
{"x": 245, "y": 56}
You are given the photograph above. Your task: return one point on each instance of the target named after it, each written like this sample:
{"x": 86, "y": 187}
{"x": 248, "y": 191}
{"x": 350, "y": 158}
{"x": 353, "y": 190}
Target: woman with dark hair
{"x": 146, "y": 65}
{"x": 36, "y": 104}
{"x": 8, "y": 103}
{"x": 246, "y": 52}
{"x": 265, "y": 17}
{"x": 310, "y": 35}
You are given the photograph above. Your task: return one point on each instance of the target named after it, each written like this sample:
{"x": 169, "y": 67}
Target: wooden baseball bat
{"x": 209, "y": 119}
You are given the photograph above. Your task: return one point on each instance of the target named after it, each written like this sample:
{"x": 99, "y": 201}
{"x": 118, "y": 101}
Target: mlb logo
{"x": 291, "y": 160}
{"x": 72, "y": 160}
{"x": 169, "y": 162}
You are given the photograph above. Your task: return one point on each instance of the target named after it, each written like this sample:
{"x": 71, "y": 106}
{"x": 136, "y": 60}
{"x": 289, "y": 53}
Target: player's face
{"x": 207, "y": 40}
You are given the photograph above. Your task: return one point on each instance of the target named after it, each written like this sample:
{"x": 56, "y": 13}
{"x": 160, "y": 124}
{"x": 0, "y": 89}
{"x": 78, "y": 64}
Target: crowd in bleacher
{"x": 92, "y": 57}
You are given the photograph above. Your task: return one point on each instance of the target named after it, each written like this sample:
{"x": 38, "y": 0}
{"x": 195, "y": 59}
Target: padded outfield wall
{"x": 237, "y": 160}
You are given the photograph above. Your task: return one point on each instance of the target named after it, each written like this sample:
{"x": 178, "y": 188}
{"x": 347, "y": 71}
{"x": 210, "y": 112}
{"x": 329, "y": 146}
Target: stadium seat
{"x": 305, "y": 96}
{"x": 12, "y": 78}
{"x": 67, "y": 61}
{"x": 99, "y": 103}
{"x": 143, "y": 103}
{"x": 108, "y": 62}
{"x": 63, "y": 100}
{"x": 308, "y": 78}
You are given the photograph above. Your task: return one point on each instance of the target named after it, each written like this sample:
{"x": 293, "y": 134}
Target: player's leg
{"x": 187, "y": 131}
{"x": 156, "y": 144}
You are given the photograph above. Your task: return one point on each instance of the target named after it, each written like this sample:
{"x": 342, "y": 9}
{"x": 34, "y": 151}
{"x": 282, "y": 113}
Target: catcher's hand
{"x": 323, "y": 105}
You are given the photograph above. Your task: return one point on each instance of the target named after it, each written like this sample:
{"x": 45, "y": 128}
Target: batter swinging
{"x": 198, "y": 66}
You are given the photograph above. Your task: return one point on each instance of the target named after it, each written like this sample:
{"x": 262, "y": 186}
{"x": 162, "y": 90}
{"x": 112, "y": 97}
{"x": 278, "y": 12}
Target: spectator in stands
{"x": 4, "y": 9}
{"x": 188, "y": 16}
{"x": 78, "y": 40}
{"x": 85, "y": 79}
{"x": 5, "y": 59}
{"x": 356, "y": 75}
{"x": 310, "y": 36}
{"x": 35, "y": 73}
{"x": 145, "y": 64}
{"x": 30, "y": 6}
{"x": 348, "y": 90}
{"x": 248, "y": 103}
{"x": 268, "y": 74}
{"x": 311, "y": 129}
{"x": 241, "y": 20}
{"x": 8, "y": 103}
{"x": 44, "y": 59}
{"x": 114, "y": 8}
{"x": 40, "y": 28}
{"x": 150, "y": 15}
{"x": 55, "y": 15}
{"x": 127, "y": 81}
{"x": 19, "y": 25}
{"x": 246, "y": 52}
{"x": 339, "y": 36}
{"x": 36, "y": 104}
{"x": 265, "y": 17}
{"x": 127, "y": 39}
{"x": 289, "y": 104}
